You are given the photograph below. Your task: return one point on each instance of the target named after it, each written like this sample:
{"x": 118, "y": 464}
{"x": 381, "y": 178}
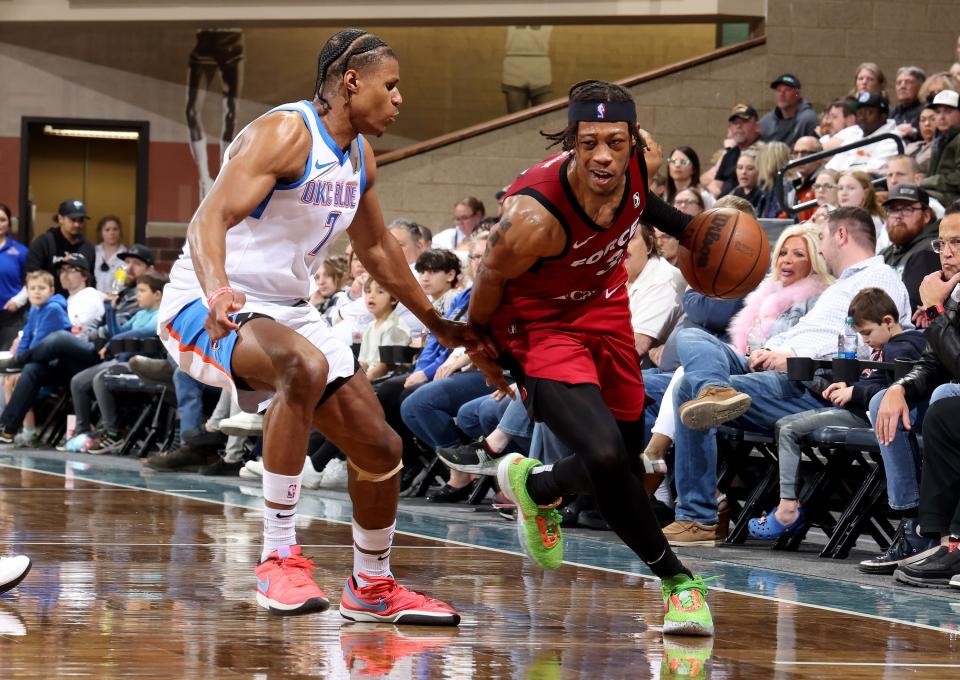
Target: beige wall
{"x": 821, "y": 41}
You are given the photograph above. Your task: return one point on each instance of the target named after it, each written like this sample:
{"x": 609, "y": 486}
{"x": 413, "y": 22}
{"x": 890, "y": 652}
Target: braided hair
{"x": 351, "y": 47}
{"x": 593, "y": 91}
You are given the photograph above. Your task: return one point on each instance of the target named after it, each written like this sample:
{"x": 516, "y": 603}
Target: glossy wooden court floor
{"x": 131, "y": 583}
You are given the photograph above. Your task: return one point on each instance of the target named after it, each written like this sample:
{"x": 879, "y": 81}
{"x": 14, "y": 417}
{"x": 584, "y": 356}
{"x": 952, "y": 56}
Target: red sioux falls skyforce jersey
{"x": 581, "y": 285}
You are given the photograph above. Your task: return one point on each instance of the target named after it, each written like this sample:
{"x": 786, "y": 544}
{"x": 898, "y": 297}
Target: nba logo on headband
{"x": 601, "y": 110}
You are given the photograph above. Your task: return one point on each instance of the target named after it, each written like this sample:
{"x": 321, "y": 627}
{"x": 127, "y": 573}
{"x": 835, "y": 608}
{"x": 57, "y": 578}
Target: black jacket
{"x": 940, "y": 361}
{"x": 908, "y": 345}
{"x": 48, "y": 249}
{"x": 914, "y": 261}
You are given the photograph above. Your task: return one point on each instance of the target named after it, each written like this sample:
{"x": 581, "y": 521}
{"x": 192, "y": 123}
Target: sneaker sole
{"x": 10, "y": 585}
{"x": 920, "y": 582}
{"x": 687, "y": 628}
{"x": 408, "y": 617}
{"x": 707, "y": 543}
{"x": 889, "y": 568}
{"x": 246, "y": 473}
{"x": 241, "y": 431}
{"x": 707, "y": 415}
{"x": 487, "y": 467}
{"x": 311, "y": 606}
{"x": 955, "y": 582}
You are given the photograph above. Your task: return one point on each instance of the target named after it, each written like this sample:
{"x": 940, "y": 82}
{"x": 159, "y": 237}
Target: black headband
{"x": 604, "y": 112}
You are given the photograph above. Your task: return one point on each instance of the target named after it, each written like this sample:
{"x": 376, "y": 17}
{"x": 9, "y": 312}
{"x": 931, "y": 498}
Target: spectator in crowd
{"x": 683, "y": 172}
{"x": 874, "y": 316}
{"x": 668, "y": 247}
{"x": 329, "y": 280}
{"x": 935, "y": 84}
{"x": 409, "y": 236}
{"x": 47, "y": 316}
{"x": 138, "y": 259}
{"x": 84, "y": 302}
{"x": 773, "y": 156}
{"x": 906, "y": 114}
{"x": 825, "y": 190}
{"x": 655, "y": 288}
{"x": 658, "y": 185}
{"x": 13, "y": 260}
{"x": 943, "y": 178}
{"x": 720, "y": 385}
{"x": 386, "y": 330}
{"x": 894, "y": 411}
{"x": 872, "y": 120}
{"x": 792, "y": 116}
{"x": 870, "y": 79}
{"x": 905, "y": 170}
{"x": 921, "y": 149}
{"x": 842, "y": 125}
{"x": 743, "y": 130}
{"x": 689, "y": 202}
{"x": 108, "y": 261}
{"x": 912, "y": 229}
{"x": 803, "y": 176}
{"x": 48, "y": 249}
{"x": 856, "y": 189}
{"x": 466, "y": 215}
{"x": 748, "y": 177}
{"x": 352, "y": 316}
{"x": 955, "y": 71}
{"x": 439, "y": 274}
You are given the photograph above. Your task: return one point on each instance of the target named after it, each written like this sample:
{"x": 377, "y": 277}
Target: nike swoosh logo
{"x": 608, "y": 293}
{"x": 379, "y": 607}
{"x": 321, "y": 166}
{"x": 578, "y": 244}
{"x": 263, "y": 585}
{"x": 279, "y": 516}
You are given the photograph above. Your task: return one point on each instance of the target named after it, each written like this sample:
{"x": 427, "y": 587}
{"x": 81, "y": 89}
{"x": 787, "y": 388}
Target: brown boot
{"x": 686, "y": 533}
{"x": 714, "y": 406}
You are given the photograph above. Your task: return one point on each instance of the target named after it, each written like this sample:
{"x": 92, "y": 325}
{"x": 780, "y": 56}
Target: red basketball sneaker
{"x": 375, "y": 653}
{"x": 285, "y": 586}
{"x": 385, "y": 601}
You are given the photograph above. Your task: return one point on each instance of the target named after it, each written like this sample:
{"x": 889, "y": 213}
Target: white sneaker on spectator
{"x": 252, "y": 469}
{"x": 334, "y": 475}
{"x": 13, "y": 570}
{"x": 242, "y": 425}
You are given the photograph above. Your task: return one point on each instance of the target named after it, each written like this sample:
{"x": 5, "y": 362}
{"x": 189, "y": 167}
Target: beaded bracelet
{"x": 217, "y": 293}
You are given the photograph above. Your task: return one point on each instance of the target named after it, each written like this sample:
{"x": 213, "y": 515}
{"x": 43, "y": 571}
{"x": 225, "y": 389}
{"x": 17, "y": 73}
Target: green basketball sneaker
{"x": 537, "y": 526}
{"x": 685, "y": 609}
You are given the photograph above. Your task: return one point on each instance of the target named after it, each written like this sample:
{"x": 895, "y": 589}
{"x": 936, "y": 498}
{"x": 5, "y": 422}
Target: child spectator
{"x": 387, "y": 329}
{"x": 875, "y": 317}
{"x": 47, "y": 315}
{"x": 439, "y": 271}
{"x": 91, "y": 383}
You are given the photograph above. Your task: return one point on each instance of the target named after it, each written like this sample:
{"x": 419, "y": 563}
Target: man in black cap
{"x": 872, "y": 110}
{"x": 743, "y": 130}
{"x": 48, "y": 249}
{"x": 943, "y": 180}
{"x": 792, "y": 116}
{"x": 911, "y": 228}
{"x": 138, "y": 259}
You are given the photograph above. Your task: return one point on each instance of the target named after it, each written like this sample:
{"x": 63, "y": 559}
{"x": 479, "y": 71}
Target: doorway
{"x": 103, "y": 163}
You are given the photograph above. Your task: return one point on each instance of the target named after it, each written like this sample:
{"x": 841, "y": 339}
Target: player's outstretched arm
{"x": 273, "y": 148}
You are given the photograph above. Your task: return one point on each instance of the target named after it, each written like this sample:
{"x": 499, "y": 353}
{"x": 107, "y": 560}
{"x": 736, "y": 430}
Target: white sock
{"x": 279, "y": 529}
{"x": 376, "y": 560}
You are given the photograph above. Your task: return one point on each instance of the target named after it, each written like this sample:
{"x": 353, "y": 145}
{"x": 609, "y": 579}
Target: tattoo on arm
{"x": 504, "y": 227}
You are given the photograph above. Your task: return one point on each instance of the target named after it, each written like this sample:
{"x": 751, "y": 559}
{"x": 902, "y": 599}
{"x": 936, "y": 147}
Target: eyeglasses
{"x": 939, "y": 244}
{"x": 476, "y": 257}
{"x": 903, "y": 210}
{"x": 458, "y": 219}
{"x": 70, "y": 269}
{"x": 680, "y": 202}
{"x": 826, "y": 186}
{"x": 682, "y": 162}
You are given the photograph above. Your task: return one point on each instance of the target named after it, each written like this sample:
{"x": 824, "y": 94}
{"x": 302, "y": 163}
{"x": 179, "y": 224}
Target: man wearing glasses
{"x": 804, "y": 175}
{"x": 911, "y": 227}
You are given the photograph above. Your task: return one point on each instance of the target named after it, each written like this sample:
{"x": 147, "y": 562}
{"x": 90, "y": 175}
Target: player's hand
{"x": 453, "y": 334}
{"x": 893, "y": 409}
{"x": 492, "y": 372}
{"x": 934, "y": 290}
{"x": 218, "y": 323}
{"x": 654, "y": 153}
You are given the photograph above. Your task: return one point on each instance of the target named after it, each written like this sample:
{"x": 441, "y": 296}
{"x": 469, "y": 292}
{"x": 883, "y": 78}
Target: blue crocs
{"x": 767, "y": 528}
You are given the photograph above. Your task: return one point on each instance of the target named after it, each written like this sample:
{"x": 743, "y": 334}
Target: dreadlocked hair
{"x": 593, "y": 91}
{"x": 349, "y": 48}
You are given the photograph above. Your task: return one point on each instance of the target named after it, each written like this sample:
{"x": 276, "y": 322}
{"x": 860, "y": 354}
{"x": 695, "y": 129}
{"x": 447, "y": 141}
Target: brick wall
{"x": 166, "y": 249}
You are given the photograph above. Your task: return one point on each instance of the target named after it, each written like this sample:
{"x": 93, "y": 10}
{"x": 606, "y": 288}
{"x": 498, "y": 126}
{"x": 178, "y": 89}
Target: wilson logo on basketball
{"x": 712, "y": 236}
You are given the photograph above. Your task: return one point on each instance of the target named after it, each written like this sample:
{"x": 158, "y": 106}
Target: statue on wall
{"x": 526, "y": 67}
{"x": 215, "y": 50}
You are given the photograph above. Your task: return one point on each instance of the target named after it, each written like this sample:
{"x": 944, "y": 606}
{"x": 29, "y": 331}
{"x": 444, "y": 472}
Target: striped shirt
{"x": 816, "y": 334}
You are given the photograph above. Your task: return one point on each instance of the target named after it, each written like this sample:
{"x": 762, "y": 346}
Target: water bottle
{"x": 119, "y": 281}
{"x": 848, "y": 341}
{"x": 755, "y": 339}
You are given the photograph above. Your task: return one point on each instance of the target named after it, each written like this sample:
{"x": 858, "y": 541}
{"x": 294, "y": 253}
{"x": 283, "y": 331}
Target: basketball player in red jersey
{"x": 552, "y": 291}
{"x": 236, "y": 316}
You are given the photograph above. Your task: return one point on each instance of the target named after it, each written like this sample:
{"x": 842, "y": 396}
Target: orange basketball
{"x": 729, "y": 255}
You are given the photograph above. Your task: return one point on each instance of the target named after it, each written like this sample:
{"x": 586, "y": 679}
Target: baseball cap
{"x": 73, "y": 209}
{"x": 872, "y": 99}
{"x": 139, "y": 251}
{"x": 786, "y": 79}
{"x": 908, "y": 192}
{"x": 74, "y": 260}
{"x": 947, "y": 98}
{"x": 743, "y": 112}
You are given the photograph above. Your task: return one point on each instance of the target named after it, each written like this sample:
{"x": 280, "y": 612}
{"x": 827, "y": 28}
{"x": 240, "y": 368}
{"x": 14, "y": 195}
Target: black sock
{"x": 542, "y": 486}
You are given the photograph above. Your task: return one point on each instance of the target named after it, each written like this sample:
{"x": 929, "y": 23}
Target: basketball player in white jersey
{"x": 235, "y": 315}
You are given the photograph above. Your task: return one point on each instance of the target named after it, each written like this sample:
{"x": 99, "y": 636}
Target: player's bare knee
{"x": 303, "y": 378}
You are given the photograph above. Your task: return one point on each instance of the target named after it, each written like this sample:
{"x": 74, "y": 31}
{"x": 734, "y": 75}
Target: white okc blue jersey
{"x": 273, "y": 253}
